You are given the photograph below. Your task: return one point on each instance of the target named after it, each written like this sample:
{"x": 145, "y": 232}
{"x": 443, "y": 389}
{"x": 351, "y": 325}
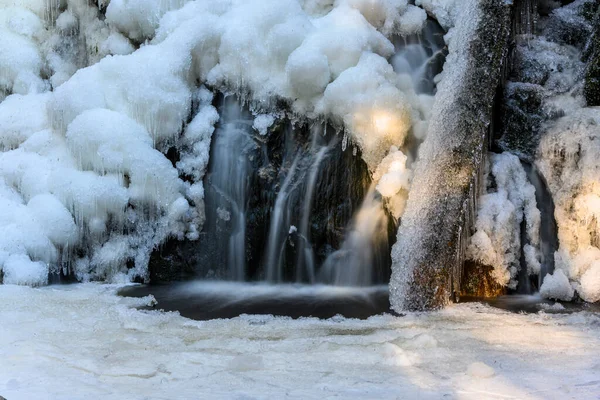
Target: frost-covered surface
{"x": 91, "y": 103}
{"x": 429, "y": 243}
{"x": 83, "y": 341}
{"x": 497, "y": 238}
{"x": 568, "y": 154}
{"x": 569, "y": 158}
{"x": 445, "y": 11}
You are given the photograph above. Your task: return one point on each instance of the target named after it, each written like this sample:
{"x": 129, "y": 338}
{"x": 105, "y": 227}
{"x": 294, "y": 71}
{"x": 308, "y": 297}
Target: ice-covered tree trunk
{"x": 428, "y": 256}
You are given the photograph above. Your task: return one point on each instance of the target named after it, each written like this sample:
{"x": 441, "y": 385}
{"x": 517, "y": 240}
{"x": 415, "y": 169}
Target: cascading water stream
{"x": 352, "y": 264}
{"x": 306, "y": 262}
{"x": 302, "y": 174}
{"x": 228, "y": 190}
{"x": 420, "y": 57}
{"x": 280, "y": 219}
{"x": 548, "y": 227}
{"x": 295, "y": 205}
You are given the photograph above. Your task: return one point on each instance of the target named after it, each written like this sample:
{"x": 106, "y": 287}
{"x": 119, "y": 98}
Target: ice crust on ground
{"x": 509, "y": 200}
{"x": 91, "y": 103}
{"x": 82, "y": 341}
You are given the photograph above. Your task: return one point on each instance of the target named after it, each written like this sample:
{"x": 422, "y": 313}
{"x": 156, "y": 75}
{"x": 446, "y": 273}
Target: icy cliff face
{"x": 548, "y": 122}
{"x": 95, "y": 94}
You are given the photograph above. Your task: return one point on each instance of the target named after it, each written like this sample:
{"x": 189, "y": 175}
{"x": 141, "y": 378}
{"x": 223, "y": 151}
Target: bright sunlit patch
{"x": 384, "y": 122}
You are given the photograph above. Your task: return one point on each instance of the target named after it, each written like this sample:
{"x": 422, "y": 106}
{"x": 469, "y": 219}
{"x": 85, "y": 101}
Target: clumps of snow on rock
{"x": 568, "y": 155}
{"x": 393, "y": 180}
{"x": 569, "y": 158}
{"x": 86, "y": 119}
{"x": 510, "y": 200}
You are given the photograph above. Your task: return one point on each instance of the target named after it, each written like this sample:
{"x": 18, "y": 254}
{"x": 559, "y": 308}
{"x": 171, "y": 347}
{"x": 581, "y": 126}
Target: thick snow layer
{"x": 497, "y": 239}
{"x": 91, "y": 103}
{"x": 82, "y": 341}
{"x": 20, "y": 58}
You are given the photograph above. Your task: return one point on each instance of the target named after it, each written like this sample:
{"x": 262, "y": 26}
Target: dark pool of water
{"x": 211, "y": 300}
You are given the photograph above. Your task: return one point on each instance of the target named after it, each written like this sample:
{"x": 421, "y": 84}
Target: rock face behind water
{"x": 591, "y": 89}
{"x": 428, "y": 257}
{"x": 340, "y": 185}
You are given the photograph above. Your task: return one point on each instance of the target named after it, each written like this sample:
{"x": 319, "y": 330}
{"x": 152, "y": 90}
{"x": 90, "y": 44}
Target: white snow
{"x": 556, "y": 286}
{"x": 480, "y": 370}
{"x": 392, "y": 177}
{"x": 569, "y": 158}
{"x": 263, "y": 122}
{"x": 445, "y": 11}
{"x": 91, "y": 105}
{"x": 497, "y": 240}
{"x": 82, "y": 341}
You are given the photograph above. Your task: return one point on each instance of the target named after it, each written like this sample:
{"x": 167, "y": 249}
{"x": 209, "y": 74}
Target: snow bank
{"x": 480, "y": 370}
{"x": 21, "y": 32}
{"x": 556, "y": 286}
{"x": 139, "y": 19}
{"x": 445, "y": 11}
{"x": 510, "y": 200}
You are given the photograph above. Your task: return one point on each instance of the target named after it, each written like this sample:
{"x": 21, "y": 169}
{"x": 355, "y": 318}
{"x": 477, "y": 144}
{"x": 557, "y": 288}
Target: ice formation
{"x": 94, "y": 96}
{"x": 568, "y": 153}
{"x": 569, "y": 157}
{"x": 507, "y": 204}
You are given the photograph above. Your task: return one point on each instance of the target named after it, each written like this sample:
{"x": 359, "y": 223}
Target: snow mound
{"x": 556, "y": 286}
{"x": 497, "y": 239}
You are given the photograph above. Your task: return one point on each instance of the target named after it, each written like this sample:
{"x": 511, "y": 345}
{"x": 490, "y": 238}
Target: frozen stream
{"x": 83, "y": 341}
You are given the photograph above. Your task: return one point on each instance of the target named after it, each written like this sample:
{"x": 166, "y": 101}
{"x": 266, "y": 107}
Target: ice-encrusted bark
{"x": 428, "y": 256}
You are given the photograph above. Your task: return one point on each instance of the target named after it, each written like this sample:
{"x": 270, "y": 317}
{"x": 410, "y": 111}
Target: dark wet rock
{"x": 541, "y": 62}
{"x": 591, "y": 89}
{"x": 571, "y": 25}
{"x": 523, "y": 115}
{"x": 341, "y": 183}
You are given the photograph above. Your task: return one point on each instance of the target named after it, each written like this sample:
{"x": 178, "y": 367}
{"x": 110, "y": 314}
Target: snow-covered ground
{"x": 84, "y": 342}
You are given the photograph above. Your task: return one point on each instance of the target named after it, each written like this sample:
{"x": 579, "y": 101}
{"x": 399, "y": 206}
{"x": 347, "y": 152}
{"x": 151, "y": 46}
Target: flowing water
{"x": 296, "y": 207}
{"x": 227, "y": 189}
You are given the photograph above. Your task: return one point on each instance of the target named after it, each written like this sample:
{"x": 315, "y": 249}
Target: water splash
{"x": 367, "y": 238}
